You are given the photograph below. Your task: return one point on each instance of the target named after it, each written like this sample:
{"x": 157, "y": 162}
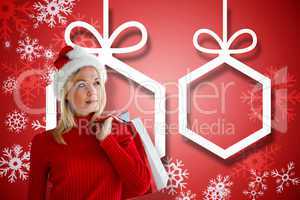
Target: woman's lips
{"x": 91, "y": 101}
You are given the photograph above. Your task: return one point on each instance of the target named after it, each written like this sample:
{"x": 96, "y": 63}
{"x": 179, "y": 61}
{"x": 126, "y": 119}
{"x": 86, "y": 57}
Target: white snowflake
{"x": 36, "y": 124}
{"x": 257, "y": 184}
{"x": 50, "y": 11}
{"x": 285, "y": 177}
{"x": 258, "y": 179}
{"x": 16, "y": 121}
{"x": 177, "y": 175}
{"x": 253, "y": 192}
{"x": 48, "y": 54}
{"x": 186, "y": 196}
{"x": 9, "y": 85}
{"x": 13, "y": 162}
{"x": 218, "y": 188}
{"x": 29, "y": 49}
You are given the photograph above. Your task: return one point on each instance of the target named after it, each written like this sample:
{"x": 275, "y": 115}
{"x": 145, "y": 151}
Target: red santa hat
{"x": 69, "y": 60}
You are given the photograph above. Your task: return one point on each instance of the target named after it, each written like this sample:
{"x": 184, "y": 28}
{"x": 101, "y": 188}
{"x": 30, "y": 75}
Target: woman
{"x": 79, "y": 158}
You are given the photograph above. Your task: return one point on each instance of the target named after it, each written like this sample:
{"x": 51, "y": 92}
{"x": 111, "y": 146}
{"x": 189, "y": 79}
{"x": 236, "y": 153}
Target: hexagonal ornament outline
{"x": 183, "y": 106}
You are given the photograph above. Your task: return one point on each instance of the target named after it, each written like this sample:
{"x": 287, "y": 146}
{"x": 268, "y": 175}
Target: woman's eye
{"x": 97, "y": 82}
{"x": 81, "y": 85}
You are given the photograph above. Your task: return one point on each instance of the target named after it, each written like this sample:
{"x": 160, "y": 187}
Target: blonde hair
{"x": 67, "y": 121}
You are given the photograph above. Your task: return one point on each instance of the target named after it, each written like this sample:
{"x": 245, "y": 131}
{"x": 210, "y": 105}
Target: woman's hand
{"x": 105, "y": 130}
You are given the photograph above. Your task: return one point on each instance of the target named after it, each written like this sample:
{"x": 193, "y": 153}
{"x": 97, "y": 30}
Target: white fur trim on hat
{"x": 78, "y": 58}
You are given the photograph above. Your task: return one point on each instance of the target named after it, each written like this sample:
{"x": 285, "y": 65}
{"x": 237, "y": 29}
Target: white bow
{"x": 106, "y": 41}
{"x": 224, "y": 44}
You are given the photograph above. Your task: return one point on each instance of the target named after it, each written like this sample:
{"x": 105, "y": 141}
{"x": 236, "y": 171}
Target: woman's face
{"x": 84, "y": 91}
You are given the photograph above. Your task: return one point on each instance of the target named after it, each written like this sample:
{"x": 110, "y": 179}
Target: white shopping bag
{"x": 159, "y": 173}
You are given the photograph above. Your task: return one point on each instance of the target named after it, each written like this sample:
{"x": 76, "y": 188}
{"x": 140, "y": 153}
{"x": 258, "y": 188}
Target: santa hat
{"x": 69, "y": 60}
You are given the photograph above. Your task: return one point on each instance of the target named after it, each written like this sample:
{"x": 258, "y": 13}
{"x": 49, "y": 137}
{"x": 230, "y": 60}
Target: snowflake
{"x": 218, "y": 189}
{"x": 16, "y": 121}
{"x": 177, "y": 175}
{"x": 32, "y": 87}
{"x": 50, "y": 11}
{"x": 186, "y": 196}
{"x": 14, "y": 161}
{"x": 36, "y": 124}
{"x": 48, "y": 54}
{"x": 9, "y": 85}
{"x": 29, "y": 49}
{"x": 285, "y": 177}
{"x": 253, "y": 193}
{"x": 258, "y": 179}
{"x": 11, "y": 17}
{"x": 257, "y": 184}
{"x": 281, "y": 80}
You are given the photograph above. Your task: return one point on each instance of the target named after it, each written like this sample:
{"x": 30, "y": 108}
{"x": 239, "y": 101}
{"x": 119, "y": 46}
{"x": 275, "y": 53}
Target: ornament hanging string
{"x": 106, "y": 40}
{"x": 225, "y": 43}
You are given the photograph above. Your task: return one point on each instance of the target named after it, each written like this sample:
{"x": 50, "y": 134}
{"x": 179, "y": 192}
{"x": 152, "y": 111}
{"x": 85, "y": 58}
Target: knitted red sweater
{"x": 86, "y": 168}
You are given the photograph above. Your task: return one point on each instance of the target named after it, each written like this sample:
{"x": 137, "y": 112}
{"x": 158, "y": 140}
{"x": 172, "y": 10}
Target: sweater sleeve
{"x": 38, "y": 173}
{"x": 124, "y": 155}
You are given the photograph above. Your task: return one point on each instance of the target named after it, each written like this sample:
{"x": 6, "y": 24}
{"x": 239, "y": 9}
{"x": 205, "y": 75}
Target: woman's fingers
{"x": 106, "y": 128}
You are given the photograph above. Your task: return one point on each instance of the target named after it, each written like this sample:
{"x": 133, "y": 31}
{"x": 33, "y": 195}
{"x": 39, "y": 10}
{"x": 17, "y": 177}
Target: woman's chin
{"x": 92, "y": 108}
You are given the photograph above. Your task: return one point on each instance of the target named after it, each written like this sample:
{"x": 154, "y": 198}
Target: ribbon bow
{"x": 106, "y": 41}
{"x": 224, "y": 44}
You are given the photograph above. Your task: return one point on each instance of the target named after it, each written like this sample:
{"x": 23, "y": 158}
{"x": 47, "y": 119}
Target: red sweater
{"x": 86, "y": 168}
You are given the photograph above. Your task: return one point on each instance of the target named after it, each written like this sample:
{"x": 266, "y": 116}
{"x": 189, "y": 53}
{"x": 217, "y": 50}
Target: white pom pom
{"x": 77, "y": 52}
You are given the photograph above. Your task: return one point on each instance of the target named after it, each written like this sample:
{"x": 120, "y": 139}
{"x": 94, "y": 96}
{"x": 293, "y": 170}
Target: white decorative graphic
{"x": 29, "y": 49}
{"x": 218, "y": 188}
{"x": 285, "y": 177}
{"x": 36, "y": 124}
{"x": 159, "y": 173}
{"x": 52, "y": 12}
{"x": 258, "y": 179}
{"x": 9, "y": 85}
{"x": 186, "y": 196}
{"x": 105, "y": 53}
{"x": 224, "y": 56}
{"x": 48, "y": 54}
{"x": 16, "y": 121}
{"x": 14, "y": 163}
{"x": 253, "y": 193}
{"x": 257, "y": 184}
{"x": 177, "y": 175}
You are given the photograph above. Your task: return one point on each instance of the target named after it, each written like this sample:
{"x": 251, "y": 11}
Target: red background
{"x": 168, "y": 55}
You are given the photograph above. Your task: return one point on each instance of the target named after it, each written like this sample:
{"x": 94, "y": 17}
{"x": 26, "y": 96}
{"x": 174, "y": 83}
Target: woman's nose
{"x": 91, "y": 90}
